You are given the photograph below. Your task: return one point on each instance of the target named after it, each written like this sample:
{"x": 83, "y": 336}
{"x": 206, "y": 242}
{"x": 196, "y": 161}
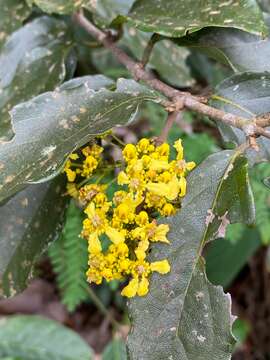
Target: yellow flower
{"x": 157, "y": 232}
{"x": 163, "y": 151}
{"x": 97, "y": 220}
{"x": 122, "y": 178}
{"x": 183, "y": 186}
{"x": 162, "y": 267}
{"x": 129, "y": 152}
{"x": 167, "y": 210}
{"x": 143, "y": 287}
{"x": 71, "y": 175}
{"x": 179, "y": 148}
{"x": 74, "y": 156}
{"x": 123, "y": 212}
{"x": 89, "y": 165}
{"x": 119, "y": 196}
{"x": 115, "y": 236}
{"x": 72, "y": 190}
{"x": 93, "y": 150}
{"x": 131, "y": 289}
{"x": 158, "y": 165}
{"x": 94, "y": 244}
{"x": 143, "y": 145}
{"x": 142, "y": 218}
{"x": 169, "y": 190}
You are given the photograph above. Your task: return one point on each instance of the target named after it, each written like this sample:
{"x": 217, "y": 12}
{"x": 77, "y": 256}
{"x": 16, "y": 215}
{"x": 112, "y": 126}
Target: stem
{"x": 250, "y": 127}
{"x": 116, "y": 138}
{"x": 100, "y": 306}
{"x": 149, "y": 48}
{"x": 169, "y": 123}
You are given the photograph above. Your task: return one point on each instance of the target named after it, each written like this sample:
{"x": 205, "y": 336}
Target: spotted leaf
{"x": 53, "y": 124}
{"x": 12, "y": 15}
{"x": 31, "y": 61}
{"x": 178, "y": 17}
{"x": 58, "y": 6}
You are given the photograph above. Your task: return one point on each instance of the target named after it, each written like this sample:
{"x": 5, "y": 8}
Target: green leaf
{"x": 176, "y": 18}
{"x": 53, "y": 124}
{"x": 38, "y": 338}
{"x": 224, "y": 259}
{"x": 186, "y": 316}
{"x": 241, "y": 330}
{"x": 69, "y": 258}
{"x": 239, "y": 49}
{"x": 57, "y": 6}
{"x": 248, "y": 95}
{"x": 115, "y": 350}
{"x": 28, "y": 222}
{"x": 31, "y": 61}
{"x": 12, "y": 15}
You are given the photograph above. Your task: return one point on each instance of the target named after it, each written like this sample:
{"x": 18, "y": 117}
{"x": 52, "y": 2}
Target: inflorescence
{"x": 120, "y": 229}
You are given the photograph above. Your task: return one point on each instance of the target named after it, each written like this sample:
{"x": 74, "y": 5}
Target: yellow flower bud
{"x": 129, "y": 152}
{"x": 143, "y": 145}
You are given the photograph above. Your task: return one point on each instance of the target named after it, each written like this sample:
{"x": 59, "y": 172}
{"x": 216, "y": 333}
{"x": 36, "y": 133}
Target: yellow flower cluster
{"x": 121, "y": 230}
{"x": 91, "y": 156}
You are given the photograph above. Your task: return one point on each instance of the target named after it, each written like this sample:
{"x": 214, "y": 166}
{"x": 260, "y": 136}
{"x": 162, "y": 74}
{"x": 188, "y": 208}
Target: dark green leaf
{"x": 28, "y": 222}
{"x": 248, "y": 95}
{"x": 239, "y": 49}
{"x": 12, "y": 14}
{"x": 115, "y": 350}
{"x": 58, "y": 6}
{"x": 38, "y": 338}
{"x": 177, "y": 17}
{"x": 69, "y": 258}
{"x": 186, "y": 316}
{"x": 224, "y": 259}
{"x": 205, "y": 69}
{"x": 31, "y": 61}
{"x": 53, "y": 124}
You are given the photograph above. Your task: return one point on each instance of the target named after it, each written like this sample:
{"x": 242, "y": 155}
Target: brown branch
{"x": 251, "y": 127}
{"x": 165, "y": 131}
